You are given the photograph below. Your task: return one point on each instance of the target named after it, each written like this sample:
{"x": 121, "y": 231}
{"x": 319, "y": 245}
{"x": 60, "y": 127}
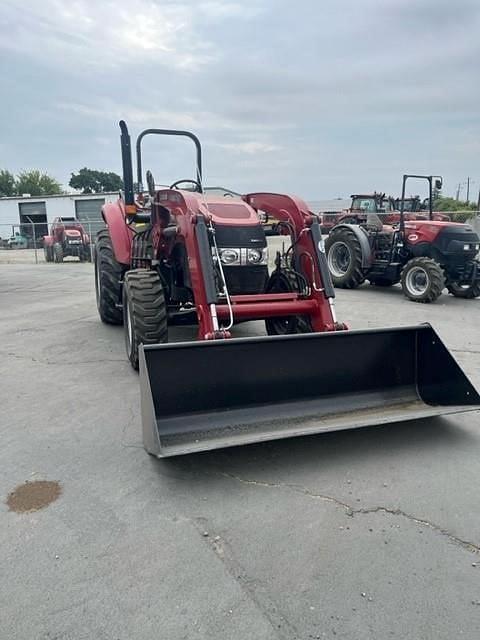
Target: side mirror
{"x": 438, "y": 184}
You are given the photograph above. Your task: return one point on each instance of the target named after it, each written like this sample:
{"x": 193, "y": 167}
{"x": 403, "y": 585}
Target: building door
{"x": 88, "y": 211}
{"x": 33, "y": 221}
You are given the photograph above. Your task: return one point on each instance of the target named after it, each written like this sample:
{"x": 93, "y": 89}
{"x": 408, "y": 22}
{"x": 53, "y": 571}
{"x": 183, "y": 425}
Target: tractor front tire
{"x": 468, "y": 292}
{"x": 57, "y": 252}
{"x": 48, "y": 253}
{"x": 423, "y": 280}
{"x": 344, "y": 258}
{"x": 285, "y": 281}
{"x": 144, "y": 311}
{"x": 108, "y": 280}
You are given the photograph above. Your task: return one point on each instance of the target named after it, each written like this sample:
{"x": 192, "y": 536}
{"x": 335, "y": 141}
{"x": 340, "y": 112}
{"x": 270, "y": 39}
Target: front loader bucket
{"x": 206, "y": 395}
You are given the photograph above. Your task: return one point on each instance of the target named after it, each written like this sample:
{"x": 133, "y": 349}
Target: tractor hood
{"x": 223, "y": 210}
{"x": 227, "y": 211}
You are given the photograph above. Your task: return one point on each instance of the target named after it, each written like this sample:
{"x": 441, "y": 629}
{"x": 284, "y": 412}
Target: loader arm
{"x": 309, "y": 251}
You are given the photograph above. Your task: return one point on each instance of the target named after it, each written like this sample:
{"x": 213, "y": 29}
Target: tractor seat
{"x": 373, "y": 222}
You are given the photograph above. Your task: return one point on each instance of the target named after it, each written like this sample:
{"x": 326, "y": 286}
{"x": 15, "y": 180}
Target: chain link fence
{"x": 23, "y": 243}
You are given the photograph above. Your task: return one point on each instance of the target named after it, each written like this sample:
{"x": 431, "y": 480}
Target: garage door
{"x": 36, "y": 213}
{"x": 88, "y": 211}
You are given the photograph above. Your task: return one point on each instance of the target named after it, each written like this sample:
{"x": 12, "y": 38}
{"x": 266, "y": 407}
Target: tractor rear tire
{"x": 108, "y": 280}
{"x": 57, "y": 252}
{"x": 48, "y": 253}
{"x": 285, "y": 281}
{"x": 84, "y": 255}
{"x": 423, "y": 280}
{"x": 144, "y": 311}
{"x": 462, "y": 291}
{"x": 344, "y": 258}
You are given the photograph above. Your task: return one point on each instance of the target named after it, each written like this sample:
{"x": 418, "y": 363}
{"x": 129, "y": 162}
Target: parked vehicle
{"x": 426, "y": 256}
{"x": 67, "y": 238}
{"x": 17, "y": 241}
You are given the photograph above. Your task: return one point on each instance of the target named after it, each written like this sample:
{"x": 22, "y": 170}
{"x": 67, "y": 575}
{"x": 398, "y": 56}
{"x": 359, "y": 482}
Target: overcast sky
{"x": 320, "y": 98}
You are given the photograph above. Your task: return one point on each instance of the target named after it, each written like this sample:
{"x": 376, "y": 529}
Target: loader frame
{"x": 193, "y": 224}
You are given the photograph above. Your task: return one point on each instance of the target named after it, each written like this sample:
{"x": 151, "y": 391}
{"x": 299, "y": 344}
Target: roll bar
{"x": 438, "y": 185}
{"x": 127, "y": 156}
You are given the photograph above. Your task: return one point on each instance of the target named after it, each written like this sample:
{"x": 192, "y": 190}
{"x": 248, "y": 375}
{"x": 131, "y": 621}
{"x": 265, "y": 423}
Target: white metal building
{"x": 38, "y": 212}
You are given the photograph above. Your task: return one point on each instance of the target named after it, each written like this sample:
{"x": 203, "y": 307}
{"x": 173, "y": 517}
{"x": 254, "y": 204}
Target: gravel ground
{"x": 362, "y": 535}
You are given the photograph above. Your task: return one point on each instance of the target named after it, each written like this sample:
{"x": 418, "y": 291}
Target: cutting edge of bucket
{"x": 150, "y": 424}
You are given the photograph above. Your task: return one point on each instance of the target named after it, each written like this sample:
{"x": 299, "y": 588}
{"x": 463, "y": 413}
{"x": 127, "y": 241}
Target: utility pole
{"x": 468, "y": 189}
{"x": 457, "y": 196}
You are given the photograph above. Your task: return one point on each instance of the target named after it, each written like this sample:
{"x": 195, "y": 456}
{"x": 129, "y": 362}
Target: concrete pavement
{"x": 363, "y": 535}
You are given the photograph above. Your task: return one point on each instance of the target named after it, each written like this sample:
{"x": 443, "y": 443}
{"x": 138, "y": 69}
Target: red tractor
{"x": 180, "y": 255}
{"x": 387, "y": 209}
{"x": 67, "y": 238}
{"x": 424, "y": 255}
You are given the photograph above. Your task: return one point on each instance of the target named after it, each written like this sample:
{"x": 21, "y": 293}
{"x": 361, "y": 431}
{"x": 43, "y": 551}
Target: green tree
{"x": 7, "y": 183}
{"x": 93, "y": 181}
{"x": 451, "y": 204}
{"x": 37, "y": 183}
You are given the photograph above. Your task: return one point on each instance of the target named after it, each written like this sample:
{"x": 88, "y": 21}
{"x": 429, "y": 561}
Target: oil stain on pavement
{"x": 33, "y": 496}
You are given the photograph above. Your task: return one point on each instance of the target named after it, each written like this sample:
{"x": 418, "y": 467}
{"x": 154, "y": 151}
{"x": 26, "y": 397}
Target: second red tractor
{"x": 67, "y": 238}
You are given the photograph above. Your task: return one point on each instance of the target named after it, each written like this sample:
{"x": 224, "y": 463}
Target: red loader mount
{"x": 67, "y": 238}
{"x": 181, "y": 256}
{"x": 425, "y": 256}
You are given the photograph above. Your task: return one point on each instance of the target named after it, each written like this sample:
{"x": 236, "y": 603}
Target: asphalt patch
{"x": 33, "y": 496}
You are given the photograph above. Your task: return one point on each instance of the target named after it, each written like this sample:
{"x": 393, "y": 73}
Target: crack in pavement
{"x": 281, "y": 625}
{"x": 352, "y": 511}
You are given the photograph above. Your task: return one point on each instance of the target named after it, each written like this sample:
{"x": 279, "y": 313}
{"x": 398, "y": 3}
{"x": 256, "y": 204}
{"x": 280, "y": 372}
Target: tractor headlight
{"x": 230, "y": 256}
{"x": 257, "y": 256}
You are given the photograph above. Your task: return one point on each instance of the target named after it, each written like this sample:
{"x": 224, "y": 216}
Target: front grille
{"x": 245, "y": 280}
{"x": 233, "y": 236}
{"x": 452, "y": 239}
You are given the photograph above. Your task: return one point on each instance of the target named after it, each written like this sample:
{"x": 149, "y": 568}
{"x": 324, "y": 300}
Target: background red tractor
{"x": 426, "y": 256}
{"x": 67, "y": 238}
{"x": 387, "y": 209}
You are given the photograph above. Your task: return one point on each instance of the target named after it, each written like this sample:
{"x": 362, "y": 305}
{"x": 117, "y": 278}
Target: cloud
{"x": 320, "y": 98}
{"x": 251, "y": 147}
{"x": 105, "y": 34}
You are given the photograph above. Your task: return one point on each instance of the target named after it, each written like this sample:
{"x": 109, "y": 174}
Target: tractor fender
{"x": 120, "y": 234}
{"x": 363, "y": 240}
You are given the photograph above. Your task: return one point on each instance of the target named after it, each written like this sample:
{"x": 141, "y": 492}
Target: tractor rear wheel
{"x": 467, "y": 291}
{"x": 285, "y": 281}
{"x": 423, "y": 280}
{"x": 144, "y": 311}
{"x": 344, "y": 258}
{"x": 57, "y": 252}
{"x": 108, "y": 280}
{"x": 84, "y": 255}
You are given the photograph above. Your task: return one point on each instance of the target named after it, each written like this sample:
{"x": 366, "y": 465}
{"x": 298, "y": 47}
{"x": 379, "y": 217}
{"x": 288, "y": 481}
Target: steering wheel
{"x": 198, "y": 186}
